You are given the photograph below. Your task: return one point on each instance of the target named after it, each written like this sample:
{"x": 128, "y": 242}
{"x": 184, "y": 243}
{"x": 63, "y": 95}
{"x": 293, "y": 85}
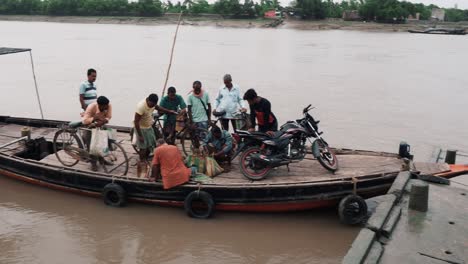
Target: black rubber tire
{"x": 56, "y": 147}
{"x": 352, "y": 210}
{"x": 325, "y": 162}
{"x": 242, "y": 160}
{"x": 114, "y": 195}
{"x": 202, "y": 196}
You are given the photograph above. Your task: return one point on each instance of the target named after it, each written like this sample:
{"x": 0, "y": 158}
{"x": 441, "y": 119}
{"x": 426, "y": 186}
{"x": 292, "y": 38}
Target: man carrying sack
{"x": 219, "y": 143}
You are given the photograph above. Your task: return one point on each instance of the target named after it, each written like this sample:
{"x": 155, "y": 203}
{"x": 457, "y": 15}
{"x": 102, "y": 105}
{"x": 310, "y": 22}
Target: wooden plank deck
{"x": 352, "y": 163}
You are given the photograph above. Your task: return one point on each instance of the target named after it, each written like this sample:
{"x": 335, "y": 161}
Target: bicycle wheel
{"x": 191, "y": 138}
{"x": 116, "y": 162}
{"x": 68, "y": 147}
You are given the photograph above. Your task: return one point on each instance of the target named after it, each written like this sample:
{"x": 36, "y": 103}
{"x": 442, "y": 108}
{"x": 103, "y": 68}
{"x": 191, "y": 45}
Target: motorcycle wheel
{"x": 327, "y": 158}
{"x": 252, "y": 171}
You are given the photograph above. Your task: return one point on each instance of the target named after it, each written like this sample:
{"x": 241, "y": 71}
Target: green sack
{"x": 197, "y": 161}
{"x": 212, "y": 167}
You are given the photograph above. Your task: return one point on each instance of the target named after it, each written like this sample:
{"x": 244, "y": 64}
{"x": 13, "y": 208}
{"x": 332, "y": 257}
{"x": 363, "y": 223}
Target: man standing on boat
{"x": 260, "y": 109}
{"x": 168, "y": 164}
{"x": 229, "y": 100}
{"x": 143, "y": 122}
{"x": 175, "y": 102}
{"x": 199, "y": 107}
{"x": 88, "y": 93}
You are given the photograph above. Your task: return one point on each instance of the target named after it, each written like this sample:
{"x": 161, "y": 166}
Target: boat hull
{"x": 230, "y": 198}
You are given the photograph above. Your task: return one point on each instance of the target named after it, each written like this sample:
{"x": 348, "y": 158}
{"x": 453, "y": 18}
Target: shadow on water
{"x": 45, "y": 226}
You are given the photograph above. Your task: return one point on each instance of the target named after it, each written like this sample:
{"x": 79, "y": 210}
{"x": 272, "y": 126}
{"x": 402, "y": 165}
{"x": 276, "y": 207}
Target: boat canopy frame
{"x": 6, "y": 51}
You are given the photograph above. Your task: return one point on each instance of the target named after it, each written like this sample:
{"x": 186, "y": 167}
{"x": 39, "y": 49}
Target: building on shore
{"x": 413, "y": 18}
{"x": 273, "y": 13}
{"x": 438, "y": 14}
{"x": 351, "y": 15}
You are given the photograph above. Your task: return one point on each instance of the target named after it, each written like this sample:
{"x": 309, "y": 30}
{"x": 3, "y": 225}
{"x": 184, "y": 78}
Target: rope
{"x": 172, "y": 54}
{"x": 35, "y": 84}
{"x": 355, "y": 181}
{"x": 459, "y": 183}
{"x": 199, "y": 188}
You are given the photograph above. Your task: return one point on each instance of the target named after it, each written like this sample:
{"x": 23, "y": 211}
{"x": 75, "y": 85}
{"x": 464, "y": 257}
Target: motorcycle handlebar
{"x": 307, "y": 109}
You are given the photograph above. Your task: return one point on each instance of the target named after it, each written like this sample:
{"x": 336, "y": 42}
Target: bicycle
{"x": 69, "y": 149}
{"x": 241, "y": 117}
{"x": 189, "y": 136}
{"x": 184, "y": 134}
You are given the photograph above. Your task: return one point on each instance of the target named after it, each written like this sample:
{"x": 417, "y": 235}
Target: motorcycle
{"x": 245, "y": 139}
{"x": 287, "y": 146}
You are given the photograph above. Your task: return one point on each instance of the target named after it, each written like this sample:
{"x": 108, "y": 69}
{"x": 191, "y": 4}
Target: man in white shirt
{"x": 229, "y": 100}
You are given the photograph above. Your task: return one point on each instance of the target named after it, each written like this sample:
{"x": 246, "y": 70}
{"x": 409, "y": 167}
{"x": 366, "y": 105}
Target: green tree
{"x": 149, "y": 8}
{"x": 384, "y": 10}
{"x": 227, "y": 8}
{"x": 248, "y": 9}
{"x": 311, "y": 9}
{"x": 454, "y": 15}
{"x": 200, "y": 6}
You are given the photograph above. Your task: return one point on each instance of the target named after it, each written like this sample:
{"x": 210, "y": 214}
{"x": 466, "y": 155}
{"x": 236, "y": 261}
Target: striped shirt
{"x": 88, "y": 90}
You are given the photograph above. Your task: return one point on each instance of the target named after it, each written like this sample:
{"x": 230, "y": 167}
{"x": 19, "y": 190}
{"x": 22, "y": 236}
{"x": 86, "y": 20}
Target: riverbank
{"x": 219, "y": 21}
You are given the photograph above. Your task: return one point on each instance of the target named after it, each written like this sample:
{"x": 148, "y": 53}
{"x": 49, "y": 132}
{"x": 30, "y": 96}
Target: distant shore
{"x": 218, "y": 21}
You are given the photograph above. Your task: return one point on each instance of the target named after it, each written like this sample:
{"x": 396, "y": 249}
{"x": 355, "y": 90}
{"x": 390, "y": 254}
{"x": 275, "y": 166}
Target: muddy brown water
{"x": 371, "y": 90}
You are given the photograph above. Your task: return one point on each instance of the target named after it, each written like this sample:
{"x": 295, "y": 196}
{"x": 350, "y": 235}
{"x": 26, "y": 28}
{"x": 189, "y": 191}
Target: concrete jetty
{"x": 397, "y": 234}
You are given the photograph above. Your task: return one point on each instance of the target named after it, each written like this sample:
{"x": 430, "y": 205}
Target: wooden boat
{"x": 440, "y": 31}
{"x": 305, "y": 185}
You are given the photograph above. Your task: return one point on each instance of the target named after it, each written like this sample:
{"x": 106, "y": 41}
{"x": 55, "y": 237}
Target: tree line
{"x": 370, "y": 10}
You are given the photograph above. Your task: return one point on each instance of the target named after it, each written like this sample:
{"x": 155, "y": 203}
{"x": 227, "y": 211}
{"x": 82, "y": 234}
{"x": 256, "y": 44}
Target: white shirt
{"x": 229, "y": 101}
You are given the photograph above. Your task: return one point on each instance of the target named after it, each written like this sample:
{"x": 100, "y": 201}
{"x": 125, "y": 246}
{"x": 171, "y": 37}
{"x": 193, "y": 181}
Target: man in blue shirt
{"x": 219, "y": 143}
{"x": 88, "y": 92}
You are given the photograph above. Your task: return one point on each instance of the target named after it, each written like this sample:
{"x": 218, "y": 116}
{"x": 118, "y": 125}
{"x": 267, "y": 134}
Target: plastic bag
{"x": 197, "y": 161}
{"x": 212, "y": 167}
{"x": 99, "y": 143}
{"x": 112, "y": 135}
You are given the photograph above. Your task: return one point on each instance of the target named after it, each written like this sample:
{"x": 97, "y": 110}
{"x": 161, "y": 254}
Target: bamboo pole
{"x": 172, "y": 54}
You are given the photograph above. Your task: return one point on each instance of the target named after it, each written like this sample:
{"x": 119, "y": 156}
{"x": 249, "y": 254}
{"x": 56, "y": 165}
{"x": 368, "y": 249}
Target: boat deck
{"x": 353, "y": 163}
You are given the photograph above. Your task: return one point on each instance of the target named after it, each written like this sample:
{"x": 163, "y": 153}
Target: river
{"x": 371, "y": 90}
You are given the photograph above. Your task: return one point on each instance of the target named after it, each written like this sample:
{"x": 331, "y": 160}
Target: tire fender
{"x": 114, "y": 195}
{"x": 199, "y": 196}
{"x": 352, "y": 210}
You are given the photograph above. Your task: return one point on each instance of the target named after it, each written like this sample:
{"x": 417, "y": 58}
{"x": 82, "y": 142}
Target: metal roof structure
{"x": 4, "y": 50}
